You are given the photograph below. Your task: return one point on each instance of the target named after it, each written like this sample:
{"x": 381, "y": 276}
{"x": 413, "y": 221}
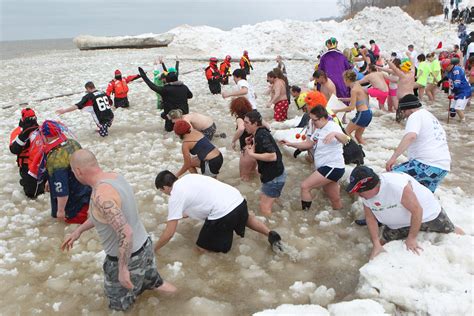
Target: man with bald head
{"x": 129, "y": 266}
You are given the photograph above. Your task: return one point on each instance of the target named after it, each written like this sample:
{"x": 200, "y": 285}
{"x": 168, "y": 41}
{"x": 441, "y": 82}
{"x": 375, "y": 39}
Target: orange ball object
{"x": 297, "y": 136}
{"x": 303, "y": 137}
{"x": 314, "y": 98}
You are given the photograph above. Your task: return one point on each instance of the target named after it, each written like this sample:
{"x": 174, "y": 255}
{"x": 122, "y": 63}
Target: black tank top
{"x": 202, "y": 148}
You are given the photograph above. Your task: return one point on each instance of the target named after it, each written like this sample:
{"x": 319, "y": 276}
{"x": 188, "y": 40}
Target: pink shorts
{"x": 392, "y": 92}
{"x": 381, "y": 96}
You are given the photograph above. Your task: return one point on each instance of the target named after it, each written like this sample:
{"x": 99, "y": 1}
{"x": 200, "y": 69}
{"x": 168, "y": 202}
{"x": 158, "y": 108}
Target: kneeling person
{"x": 220, "y": 205}
{"x": 402, "y": 204}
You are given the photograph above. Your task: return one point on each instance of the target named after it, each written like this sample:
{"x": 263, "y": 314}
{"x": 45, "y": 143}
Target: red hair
{"x": 240, "y": 106}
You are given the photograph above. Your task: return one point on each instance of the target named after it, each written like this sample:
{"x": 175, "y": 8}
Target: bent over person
{"x": 221, "y": 206}
{"x": 399, "y": 202}
{"x": 129, "y": 267}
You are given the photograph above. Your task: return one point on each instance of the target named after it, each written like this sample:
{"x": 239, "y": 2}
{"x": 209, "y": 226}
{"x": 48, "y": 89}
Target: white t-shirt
{"x": 470, "y": 50}
{"x": 202, "y": 197}
{"x": 250, "y": 93}
{"x": 430, "y": 146}
{"x": 414, "y": 57}
{"x": 331, "y": 154}
{"x": 387, "y": 207}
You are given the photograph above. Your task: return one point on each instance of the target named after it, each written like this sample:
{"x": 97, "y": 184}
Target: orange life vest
{"x": 121, "y": 88}
{"x": 26, "y": 155}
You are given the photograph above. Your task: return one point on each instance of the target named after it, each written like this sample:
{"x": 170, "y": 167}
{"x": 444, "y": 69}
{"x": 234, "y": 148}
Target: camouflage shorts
{"x": 441, "y": 224}
{"x": 210, "y": 131}
{"x": 143, "y": 274}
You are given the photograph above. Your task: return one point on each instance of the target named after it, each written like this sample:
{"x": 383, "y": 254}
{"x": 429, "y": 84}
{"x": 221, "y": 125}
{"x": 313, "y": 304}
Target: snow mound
{"x": 88, "y": 42}
{"x": 301, "y": 310}
{"x": 357, "y": 307}
{"x": 437, "y": 282}
{"x": 306, "y": 39}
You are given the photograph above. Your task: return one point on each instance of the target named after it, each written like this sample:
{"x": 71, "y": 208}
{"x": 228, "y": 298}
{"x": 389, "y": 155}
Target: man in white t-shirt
{"x": 429, "y": 160}
{"x": 399, "y": 202}
{"x": 221, "y": 207}
{"x": 244, "y": 88}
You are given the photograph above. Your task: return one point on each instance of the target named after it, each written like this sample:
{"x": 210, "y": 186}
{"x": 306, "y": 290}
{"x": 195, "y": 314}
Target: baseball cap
{"x": 362, "y": 179}
{"x": 409, "y": 102}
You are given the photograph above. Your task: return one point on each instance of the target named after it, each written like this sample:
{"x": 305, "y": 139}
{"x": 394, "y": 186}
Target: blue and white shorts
{"x": 426, "y": 175}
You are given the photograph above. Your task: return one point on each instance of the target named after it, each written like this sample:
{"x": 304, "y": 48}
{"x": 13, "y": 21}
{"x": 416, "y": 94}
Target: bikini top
{"x": 361, "y": 102}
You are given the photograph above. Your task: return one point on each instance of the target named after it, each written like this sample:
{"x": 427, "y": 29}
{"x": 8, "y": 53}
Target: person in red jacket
{"x": 245, "y": 62}
{"x": 119, "y": 87}
{"x": 224, "y": 69}
{"x": 213, "y": 76}
{"x": 21, "y": 138}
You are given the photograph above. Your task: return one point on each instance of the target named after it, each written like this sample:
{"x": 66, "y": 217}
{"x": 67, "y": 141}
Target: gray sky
{"x": 46, "y": 19}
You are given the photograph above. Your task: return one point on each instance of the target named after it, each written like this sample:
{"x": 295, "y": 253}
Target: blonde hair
{"x": 175, "y": 114}
{"x": 350, "y": 75}
{"x": 348, "y": 54}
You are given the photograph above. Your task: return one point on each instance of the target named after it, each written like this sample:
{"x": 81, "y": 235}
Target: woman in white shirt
{"x": 327, "y": 142}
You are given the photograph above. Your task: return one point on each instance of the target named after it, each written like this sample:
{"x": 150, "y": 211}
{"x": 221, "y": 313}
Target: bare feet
{"x": 166, "y": 287}
{"x": 459, "y": 231}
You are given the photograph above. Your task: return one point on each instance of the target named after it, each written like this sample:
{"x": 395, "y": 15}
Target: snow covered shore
{"x": 297, "y": 39}
{"x": 326, "y": 271}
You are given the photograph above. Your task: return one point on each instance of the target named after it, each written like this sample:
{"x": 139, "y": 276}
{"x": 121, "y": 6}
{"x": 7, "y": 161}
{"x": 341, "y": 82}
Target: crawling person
{"x": 401, "y": 204}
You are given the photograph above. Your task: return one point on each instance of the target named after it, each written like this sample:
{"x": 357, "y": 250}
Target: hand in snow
{"x": 389, "y": 164}
{"x": 413, "y": 245}
{"x": 224, "y": 94}
{"x": 375, "y": 251}
{"x": 69, "y": 241}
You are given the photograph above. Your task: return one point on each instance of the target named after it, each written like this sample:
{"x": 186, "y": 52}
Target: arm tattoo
{"x": 113, "y": 215}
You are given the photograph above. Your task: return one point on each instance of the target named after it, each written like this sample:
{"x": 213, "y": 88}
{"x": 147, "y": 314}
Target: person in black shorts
{"x": 221, "y": 207}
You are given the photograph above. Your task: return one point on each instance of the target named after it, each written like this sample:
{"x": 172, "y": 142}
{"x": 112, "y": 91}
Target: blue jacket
{"x": 458, "y": 83}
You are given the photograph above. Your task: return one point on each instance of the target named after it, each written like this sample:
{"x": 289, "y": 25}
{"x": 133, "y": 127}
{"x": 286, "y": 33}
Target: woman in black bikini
{"x": 209, "y": 158}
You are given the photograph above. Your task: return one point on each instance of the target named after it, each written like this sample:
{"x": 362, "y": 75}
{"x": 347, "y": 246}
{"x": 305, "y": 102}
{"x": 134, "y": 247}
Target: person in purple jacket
{"x": 334, "y": 63}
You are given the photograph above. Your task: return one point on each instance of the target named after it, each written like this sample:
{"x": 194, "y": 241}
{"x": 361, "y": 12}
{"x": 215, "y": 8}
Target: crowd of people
{"x": 401, "y": 199}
